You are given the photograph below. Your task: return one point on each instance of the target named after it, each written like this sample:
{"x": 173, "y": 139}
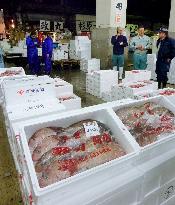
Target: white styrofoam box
{"x": 15, "y": 50}
{"x": 59, "y": 55}
{"x": 28, "y": 90}
{"x": 169, "y": 93}
{"x": 80, "y": 49}
{"x": 82, "y": 38}
{"x": 64, "y": 46}
{"x": 159, "y": 178}
{"x": 20, "y": 75}
{"x": 151, "y": 65}
{"x": 90, "y": 65}
{"x": 131, "y": 89}
{"x": 171, "y": 201}
{"x": 107, "y": 96}
{"x": 85, "y": 180}
{"x": 160, "y": 146}
{"x": 70, "y": 104}
{"x": 101, "y": 81}
{"x": 25, "y": 191}
{"x": 171, "y": 74}
{"x": 20, "y": 112}
{"x": 62, "y": 87}
{"x": 126, "y": 189}
{"x": 24, "y": 53}
{"x": 17, "y": 69}
{"x": 136, "y": 75}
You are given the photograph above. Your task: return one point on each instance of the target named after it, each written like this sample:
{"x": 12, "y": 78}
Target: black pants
{"x": 162, "y": 85}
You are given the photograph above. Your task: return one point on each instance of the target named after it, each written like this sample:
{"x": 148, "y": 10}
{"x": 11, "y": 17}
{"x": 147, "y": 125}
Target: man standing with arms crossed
{"x": 140, "y": 44}
{"x": 118, "y": 41}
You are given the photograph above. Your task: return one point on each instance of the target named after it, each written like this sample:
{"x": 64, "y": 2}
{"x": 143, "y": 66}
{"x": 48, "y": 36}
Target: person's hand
{"x": 35, "y": 43}
{"x": 47, "y": 55}
{"x": 142, "y": 48}
{"x": 121, "y": 43}
{"x": 139, "y": 47}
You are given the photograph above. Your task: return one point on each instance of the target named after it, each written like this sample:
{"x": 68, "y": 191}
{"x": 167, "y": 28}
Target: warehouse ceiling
{"x": 153, "y": 9}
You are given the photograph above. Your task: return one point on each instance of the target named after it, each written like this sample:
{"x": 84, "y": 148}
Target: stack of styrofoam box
{"x": 89, "y": 66}
{"x": 21, "y": 43}
{"x": 21, "y": 73}
{"x": 15, "y": 50}
{"x": 89, "y": 83}
{"x": 59, "y": 55}
{"x": 5, "y": 45}
{"x": 151, "y": 65}
{"x": 171, "y": 74}
{"x": 70, "y": 101}
{"x": 145, "y": 176}
{"x": 107, "y": 96}
{"x": 119, "y": 92}
{"x": 62, "y": 87}
{"x": 124, "y": 90}
{"x": 64, "y": 90}
{"x": 80, "y": 48}
{"x": 136, "y": 75}
{"x": 64, "y": 47}
{"x": 169, "y": 93}
{"x": 105, "y": 184}
{"x": 26, "y": 98}
{"x": 157, "y": 163}
{"x": 103, "y": 81}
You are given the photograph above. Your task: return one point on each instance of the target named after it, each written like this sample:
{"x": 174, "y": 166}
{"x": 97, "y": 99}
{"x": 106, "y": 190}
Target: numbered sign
{"x": 91, "y": 129}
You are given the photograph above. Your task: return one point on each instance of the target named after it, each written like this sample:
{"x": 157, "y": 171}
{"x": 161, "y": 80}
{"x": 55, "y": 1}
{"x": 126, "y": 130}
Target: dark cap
{"x": 163, "y": 30}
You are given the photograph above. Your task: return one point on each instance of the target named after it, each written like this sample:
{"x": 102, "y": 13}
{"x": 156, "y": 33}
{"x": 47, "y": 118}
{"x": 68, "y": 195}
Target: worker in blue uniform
{"x": 140, "y": 44}
{"x": 166, "y": 52}
{"x": 47, "y": 49}
{"x": 1, "y": 59}
{"x": 32, "y": 53}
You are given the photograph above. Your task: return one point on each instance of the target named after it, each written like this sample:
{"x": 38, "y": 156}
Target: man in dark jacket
{"x": 166, "y": 52}
{"x": 119, "y": 42}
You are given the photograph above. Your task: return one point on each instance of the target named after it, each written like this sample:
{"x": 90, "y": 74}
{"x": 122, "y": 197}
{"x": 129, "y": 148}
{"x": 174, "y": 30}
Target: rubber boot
{"x": 115, "y": 68}
{"x": 120, "y": 73}
{"x": 159, "y": 85}
{"x": 164, "y": 85}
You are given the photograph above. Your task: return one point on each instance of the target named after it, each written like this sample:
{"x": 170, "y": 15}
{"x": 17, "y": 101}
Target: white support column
{"x": 111, "y": 13}
{"x": 172, "y": 20}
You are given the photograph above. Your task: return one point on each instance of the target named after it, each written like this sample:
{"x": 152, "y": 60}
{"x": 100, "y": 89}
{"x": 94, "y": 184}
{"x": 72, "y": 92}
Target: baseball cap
{"x": 163, "y": 30}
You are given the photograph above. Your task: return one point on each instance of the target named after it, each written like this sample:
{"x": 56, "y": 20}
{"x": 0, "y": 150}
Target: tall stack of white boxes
{"x": 89, "y": 66}
{"x": 80, "y": 48}
{"x": 171, "y": 74}
{"x": 136, "y": 82}
{"x": 151, "y": 65}
{"x": 61, "y": 53}
{"x": 65, "y": 95}
{"x": 100, "y": 82}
